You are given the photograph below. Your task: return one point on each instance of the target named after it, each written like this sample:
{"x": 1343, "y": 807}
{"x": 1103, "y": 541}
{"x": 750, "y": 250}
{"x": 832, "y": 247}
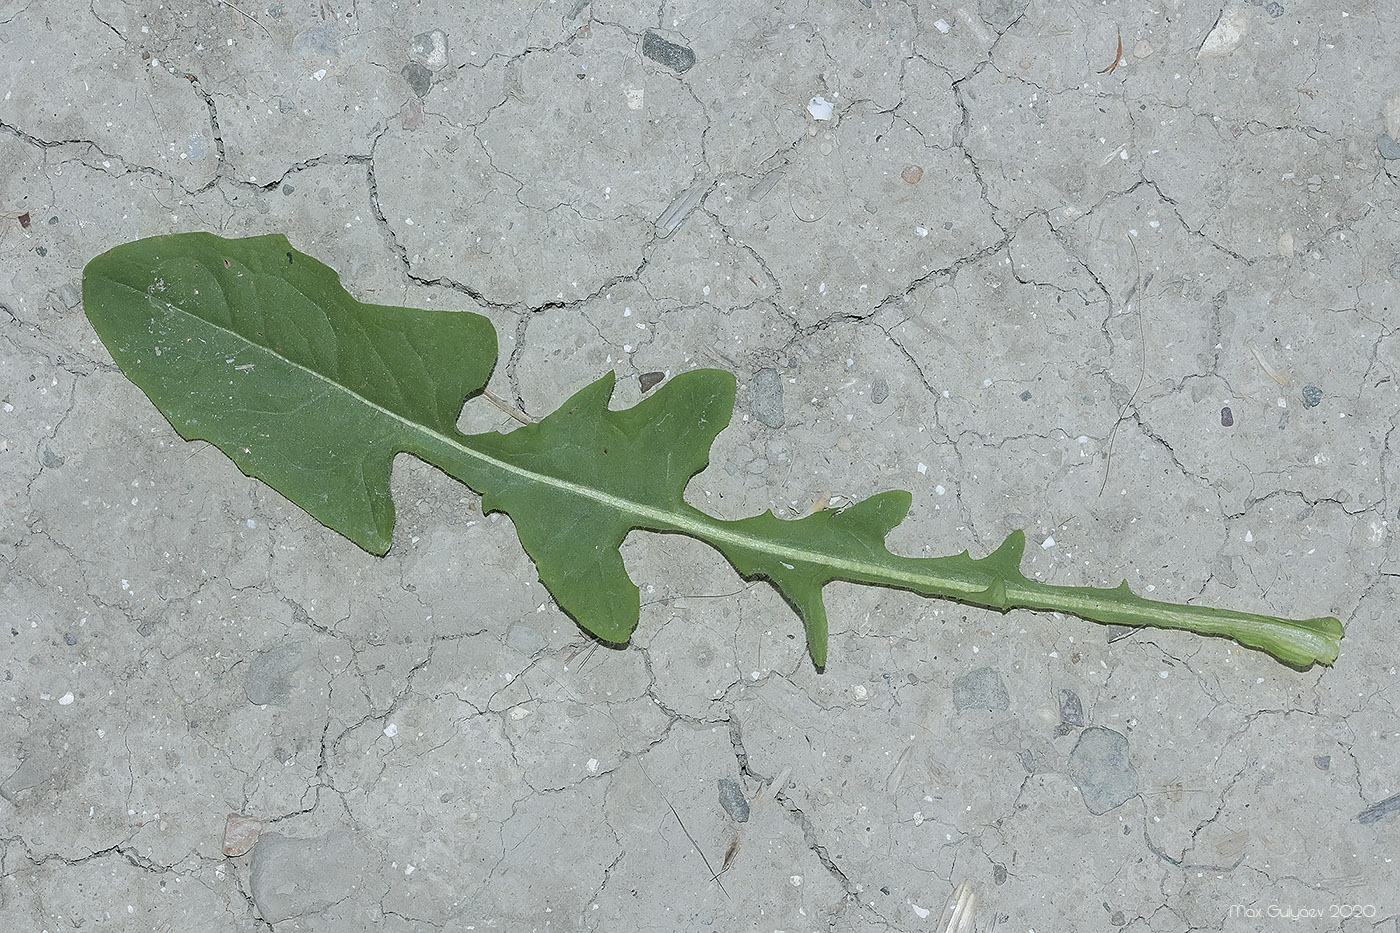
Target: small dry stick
{"x": 506, "y": 407}
{"x": 714, "y": 875}
{"x": 1138, "y": 286}
{"x": 1117, "y": 56}
{"x": 729, "y": 855}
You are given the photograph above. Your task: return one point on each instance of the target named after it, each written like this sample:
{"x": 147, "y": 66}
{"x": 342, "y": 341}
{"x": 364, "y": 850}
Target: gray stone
{"x": 667, "y": 54}
{"x": 38, "y": 765}
{"x": 429, "y": 49}
{"x": 1312, "y": 396}
{"x": 419, "y": 78}
{"x": 766, "y": 397}
{"x": 731, "y": 797}
{"x": 980, "y": 689}
{"x": 49, "y": 459}
{"x": 1389, "y": 148}
{"x": 68, "y": 294}
{"x": 524, "y": 639}
{"x": 1099, "y": 766}
{"x": 1071, "y": 708}
{"x": 298, "y": 877}
{"x": 268, "y": 681}
{"x": 879, "y": 390}
{"x": 999, "y": 14}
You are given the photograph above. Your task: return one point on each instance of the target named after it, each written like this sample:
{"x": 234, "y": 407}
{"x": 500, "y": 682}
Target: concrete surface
{"x": 219, "y": 716}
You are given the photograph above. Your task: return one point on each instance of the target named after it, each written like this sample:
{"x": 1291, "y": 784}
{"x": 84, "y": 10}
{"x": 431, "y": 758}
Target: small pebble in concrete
{"x": 268, "y": 680}
{"x": 1323, "y": 762}
{"x": 667, "y": 54}
{"x": 1227, "y": 417}
{"x": 649, "y": 381}
{"x": 1312, "y": 396}
{"x": 1026, "y": 395}
{"x": 1071, "y": 712}
{"x": 980, "y": 689}
{"x": 49, "y": 459}
{"x": 36, "y": 768}
{"x": 429, "y": 49}
{"x": 299, "y": 877}
{"x": 69, "y": 295}
{"x": 879, "y": 390}
{"x": 1389, "y": 148}
{"x": 731, "y": 797}
{"x": 525, "y": 640}
{"x": 70, "y": 639}
{"x": 912, "y": 174}
{"x": 766, "y": 397}
{"x": 419, "y": 78}
{"x": 1227, "y": 35}
{"x": 1100, "y": 767}
{"x": 240, "y": 832}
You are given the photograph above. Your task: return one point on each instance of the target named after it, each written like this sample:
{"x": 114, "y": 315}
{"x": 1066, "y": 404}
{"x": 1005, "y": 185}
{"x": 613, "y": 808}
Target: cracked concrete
{"x": 1148, "y": 313}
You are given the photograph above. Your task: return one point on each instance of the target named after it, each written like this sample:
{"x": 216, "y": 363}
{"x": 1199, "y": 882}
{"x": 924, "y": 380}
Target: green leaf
{"x": 257, "y": 348}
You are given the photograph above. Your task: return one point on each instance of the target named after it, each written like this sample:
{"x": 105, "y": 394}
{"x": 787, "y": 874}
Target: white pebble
{"x": 820, "y": 108}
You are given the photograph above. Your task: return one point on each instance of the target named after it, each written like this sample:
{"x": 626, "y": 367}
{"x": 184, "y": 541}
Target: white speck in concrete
{"x": 66, "y": 699}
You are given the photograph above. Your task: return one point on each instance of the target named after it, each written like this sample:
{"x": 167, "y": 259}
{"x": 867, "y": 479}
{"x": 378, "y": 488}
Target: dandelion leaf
{"x": 258, "y": 349}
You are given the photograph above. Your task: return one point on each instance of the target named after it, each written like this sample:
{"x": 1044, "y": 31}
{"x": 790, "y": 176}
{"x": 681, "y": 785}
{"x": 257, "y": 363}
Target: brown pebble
{"x": 240, "y": 832}
{"x": 1227, "y": 417}
{"x": 649, "y": 380}
{"x": 912, "y": 174}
